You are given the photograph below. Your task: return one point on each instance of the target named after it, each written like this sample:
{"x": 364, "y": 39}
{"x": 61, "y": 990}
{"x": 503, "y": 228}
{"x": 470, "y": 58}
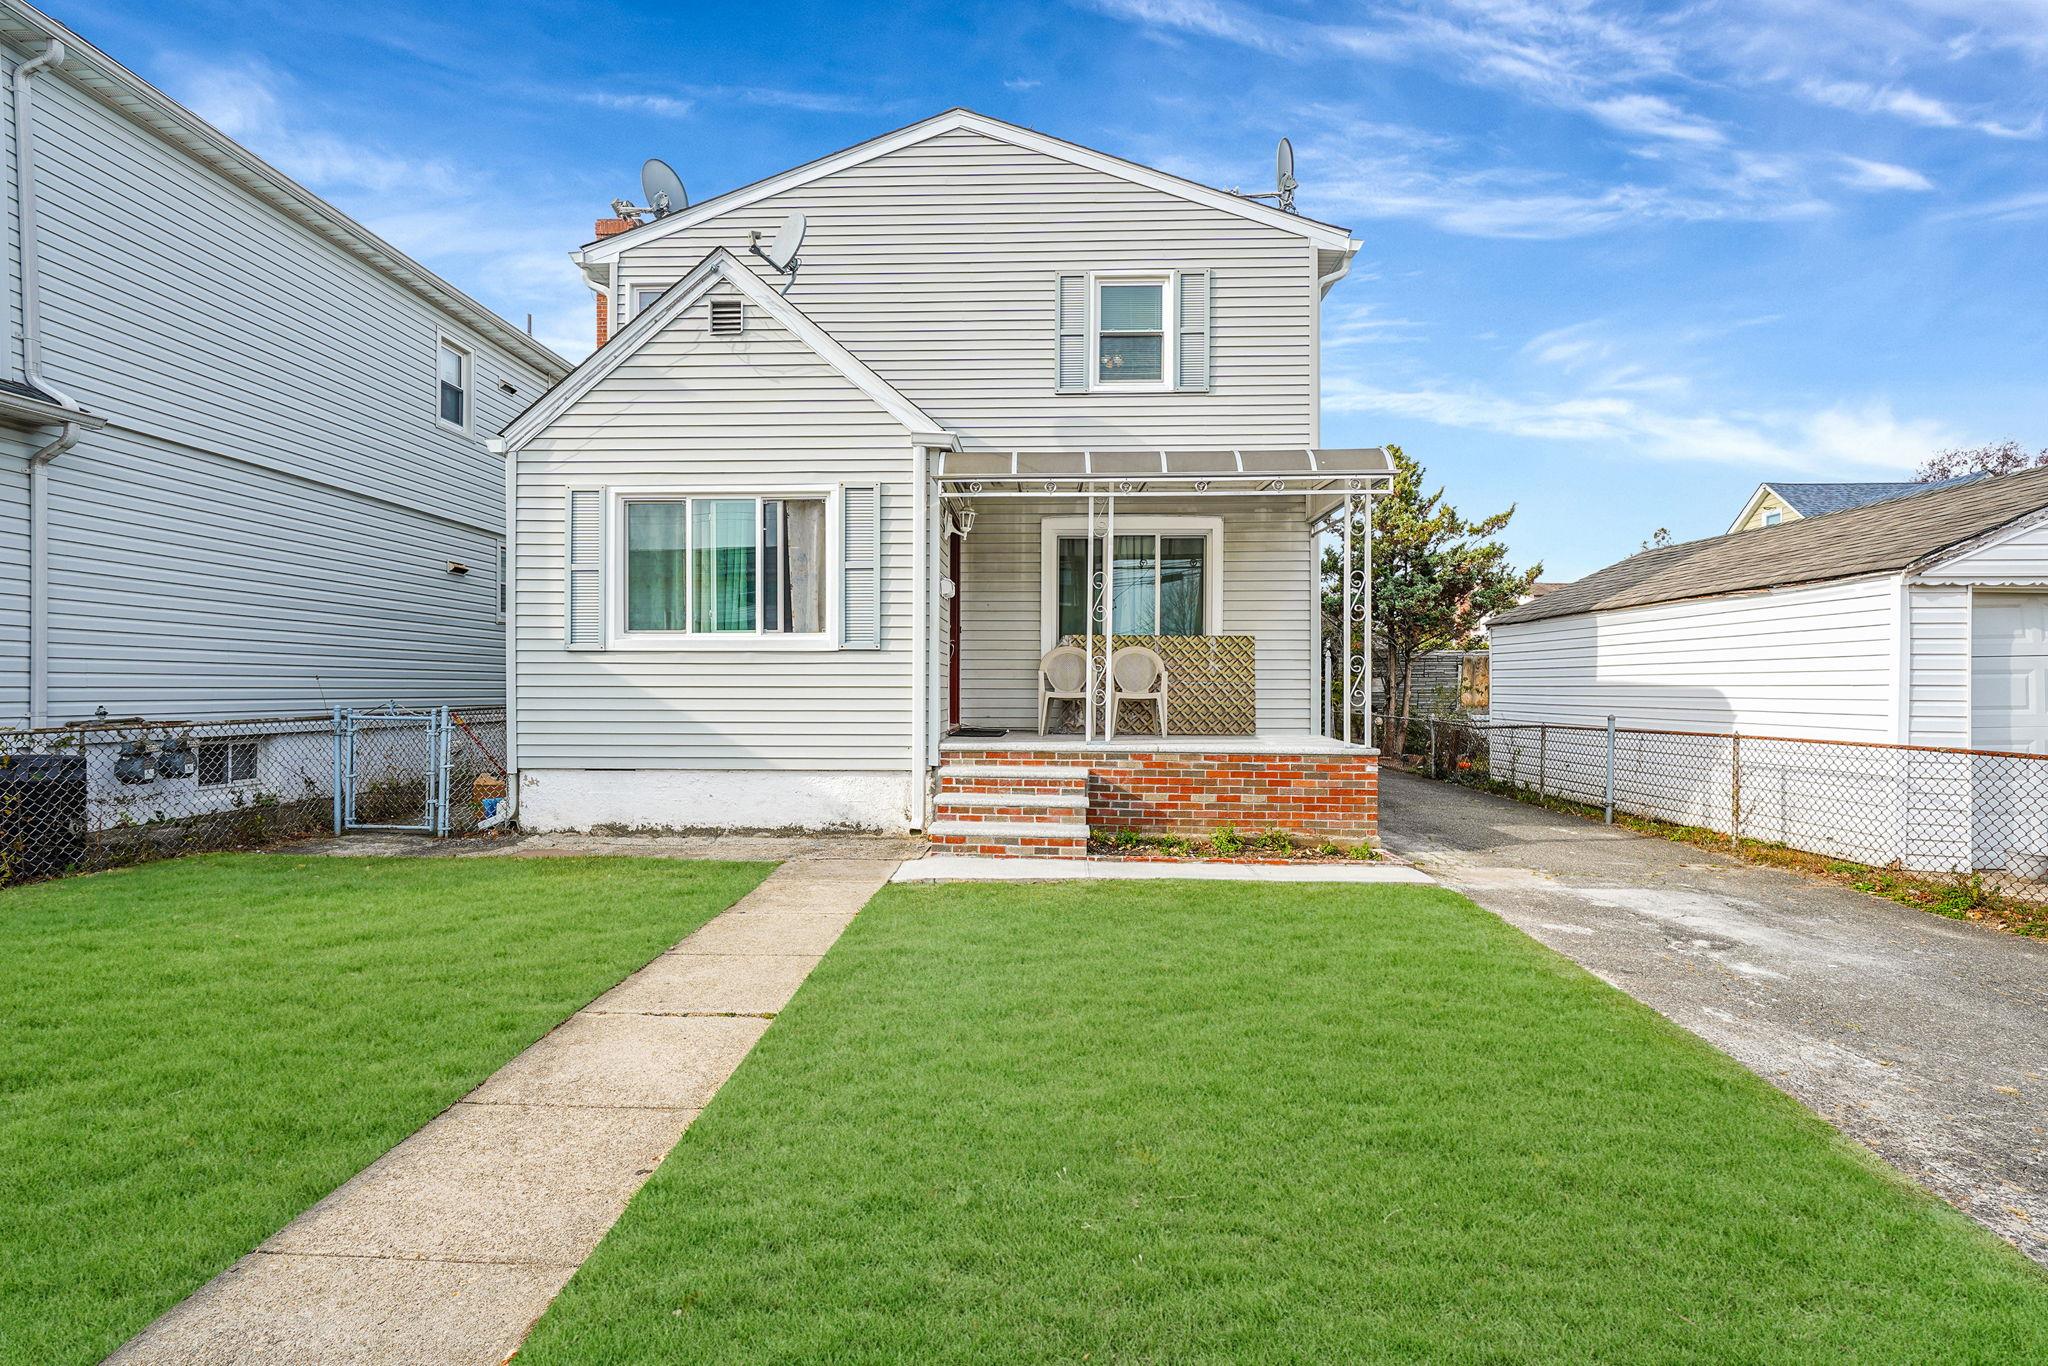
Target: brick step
{"x": 1018, "y": 839}
{"x": 1065, "y": 808}
{"x": 1017, "y": 778}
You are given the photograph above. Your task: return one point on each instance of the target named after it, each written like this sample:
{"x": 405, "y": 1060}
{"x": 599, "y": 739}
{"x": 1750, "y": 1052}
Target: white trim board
{"x": 720, "y": 264}
{"x": 606, "y": 250}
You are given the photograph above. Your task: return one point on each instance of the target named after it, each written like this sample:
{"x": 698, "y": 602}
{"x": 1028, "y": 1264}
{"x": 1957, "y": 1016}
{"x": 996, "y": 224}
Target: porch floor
{"x": 1266, "y": 742}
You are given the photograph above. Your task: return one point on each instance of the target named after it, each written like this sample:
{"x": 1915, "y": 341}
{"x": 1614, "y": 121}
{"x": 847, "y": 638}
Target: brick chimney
{"x": 609, "y": 227}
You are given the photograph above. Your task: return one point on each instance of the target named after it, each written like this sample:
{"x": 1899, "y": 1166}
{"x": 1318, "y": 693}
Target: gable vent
{"x": 728, "y": 317}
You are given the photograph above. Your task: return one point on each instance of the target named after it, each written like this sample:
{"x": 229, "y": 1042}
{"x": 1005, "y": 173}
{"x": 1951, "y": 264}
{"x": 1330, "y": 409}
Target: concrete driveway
{"x": 1925, "y": 1038}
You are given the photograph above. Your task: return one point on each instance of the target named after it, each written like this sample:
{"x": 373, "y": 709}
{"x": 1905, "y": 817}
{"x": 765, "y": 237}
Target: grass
{"x": 1214, "y": 1122}
{"x": 196, "y": 1051}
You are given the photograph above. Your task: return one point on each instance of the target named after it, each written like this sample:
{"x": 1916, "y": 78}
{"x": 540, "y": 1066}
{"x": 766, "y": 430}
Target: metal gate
{"x": 391, "y": 769}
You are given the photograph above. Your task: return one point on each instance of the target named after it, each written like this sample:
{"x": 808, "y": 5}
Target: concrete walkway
{"x": 449, "y": 1247}
{"x": 1924, "y": 1038}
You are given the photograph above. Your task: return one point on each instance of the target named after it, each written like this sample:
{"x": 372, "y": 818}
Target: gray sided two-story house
{"x": 805, "y": 550}
{"x": 243, "y": 464}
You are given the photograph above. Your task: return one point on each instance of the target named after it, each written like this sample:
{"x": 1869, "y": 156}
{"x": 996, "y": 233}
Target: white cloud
{"x": 1913, "y": 106}
{"x": 1655, "y": 117}
{"x": 514, "y": 263}
{"x": 1882, "y": 175}
{"x": 667, "y": 106}
{"x": 1633, "y": 422}
{"x": 1021, "y": 84}
{"x": 242, "y": 100}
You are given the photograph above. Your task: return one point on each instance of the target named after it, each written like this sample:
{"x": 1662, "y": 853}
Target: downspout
{"x": 32, "y": 371}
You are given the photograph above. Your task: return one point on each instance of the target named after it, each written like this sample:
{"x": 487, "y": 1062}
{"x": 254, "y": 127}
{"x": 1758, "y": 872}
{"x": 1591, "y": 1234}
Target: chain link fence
{"x": 1909, "y": 807}
{"x": 103, "y": 794}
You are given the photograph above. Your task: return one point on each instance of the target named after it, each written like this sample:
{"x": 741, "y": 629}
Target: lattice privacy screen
{"x": 1211, "y": 685}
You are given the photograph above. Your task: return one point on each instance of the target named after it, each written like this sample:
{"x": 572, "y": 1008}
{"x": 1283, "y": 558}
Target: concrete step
{"x": 1011, "y": 839}
{"x": 1066, "y": 808}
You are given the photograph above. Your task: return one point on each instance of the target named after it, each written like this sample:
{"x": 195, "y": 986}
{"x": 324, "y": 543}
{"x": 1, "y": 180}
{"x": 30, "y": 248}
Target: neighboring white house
{"x": 242, "y": 439}
{"x": 1916, "y": 621}
{"x": 778, "y": 539}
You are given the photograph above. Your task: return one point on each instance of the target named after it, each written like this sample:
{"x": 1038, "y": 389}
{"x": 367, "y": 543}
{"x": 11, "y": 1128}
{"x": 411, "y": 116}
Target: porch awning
{"x": 1293, "y": 469}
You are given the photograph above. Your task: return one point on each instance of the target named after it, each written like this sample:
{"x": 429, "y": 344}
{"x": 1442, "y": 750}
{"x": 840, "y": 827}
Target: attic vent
{"x": 728, "y": 317}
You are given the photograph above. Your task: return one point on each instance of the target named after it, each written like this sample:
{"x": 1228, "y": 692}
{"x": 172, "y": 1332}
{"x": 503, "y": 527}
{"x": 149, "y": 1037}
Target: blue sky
{"x": 1621, "y": 261}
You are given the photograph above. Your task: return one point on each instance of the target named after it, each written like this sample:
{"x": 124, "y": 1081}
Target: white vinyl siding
{"x": 2018, "y": 559}
{"x": 759, "y": 413}
{"x": 1264, "y": 583}
{"x": 267, "y": 522}
{"x": 1808, "y": 662}
{"x": 285, "y": 596}
{"x": 938, "y": 266}
{"x": 1938, "y": 710}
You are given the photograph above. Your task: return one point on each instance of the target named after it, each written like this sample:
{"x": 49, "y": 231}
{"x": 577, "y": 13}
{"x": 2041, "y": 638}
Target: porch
{"x": 1210, "y": 561}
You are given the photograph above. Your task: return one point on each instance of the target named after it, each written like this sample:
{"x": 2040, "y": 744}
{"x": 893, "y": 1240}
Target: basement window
{"x": 224, "y": 763}
{"x": 728, "y": 317}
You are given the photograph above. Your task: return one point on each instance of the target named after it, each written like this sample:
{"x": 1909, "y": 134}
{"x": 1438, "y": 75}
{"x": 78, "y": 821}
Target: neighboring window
{"x": 1158, "y": 585}
{"x": 712, "y": 566}
{"x": 1130, "y": 332}
{"x": 504, "y": 583}
{"x": 1772, "y": 517}
{"x": 728, "y": 317}
{"x": 454, "y": 374}
{"x": 222, "y": 763}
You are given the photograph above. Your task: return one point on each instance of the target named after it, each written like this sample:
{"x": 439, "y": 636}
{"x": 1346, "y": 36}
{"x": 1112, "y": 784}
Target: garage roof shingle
{"x": 1876, "y": 539}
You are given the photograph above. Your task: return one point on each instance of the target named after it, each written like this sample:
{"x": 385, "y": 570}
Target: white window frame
{"x": 757, "y": 639}
{"x": 443, "y": 341}
{"x": 504, "y": 576}
{"x": 1773, "y": 517}
{"x": 1051, "y": 529}
{"x": 232, "y": 782}
{"x": 637, "y": 304}
{"x": 1169, "y": 329}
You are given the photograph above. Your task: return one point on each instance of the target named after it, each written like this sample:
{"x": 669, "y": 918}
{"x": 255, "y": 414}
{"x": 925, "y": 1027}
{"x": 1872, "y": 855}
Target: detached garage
{"x": 1922, "y": 621}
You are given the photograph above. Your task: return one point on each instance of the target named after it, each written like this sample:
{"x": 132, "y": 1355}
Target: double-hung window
{"x": 1158, "y": 585}
{"x": 452, "y": 364}
{"x": 1131, "y": 326}
{"x": 725, "y": 566}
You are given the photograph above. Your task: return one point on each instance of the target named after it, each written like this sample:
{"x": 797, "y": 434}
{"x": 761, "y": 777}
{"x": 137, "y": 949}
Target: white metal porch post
{"x": 1344, "y": 624}
{"x": 1088, "y": 618}
{"x": 1109, "y": 620}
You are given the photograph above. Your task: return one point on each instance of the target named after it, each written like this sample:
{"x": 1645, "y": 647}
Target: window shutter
{"x": 1070, "y": 321}
{"x": 1191, "y": 311}
{"x": 861, "y": 548}
{"x": 583, "y": 571}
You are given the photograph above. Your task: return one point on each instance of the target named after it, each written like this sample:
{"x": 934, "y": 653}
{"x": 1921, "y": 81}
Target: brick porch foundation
{"x": 1171, "y": 792}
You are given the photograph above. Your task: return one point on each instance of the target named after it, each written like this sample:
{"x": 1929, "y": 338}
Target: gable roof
{"x": 1817, "y": 500}
{"x": 719, "y": 265}
{"x": 1878, "y": 538}
{"x": 1324, "y": 235}
{"x": 121, "y": 90}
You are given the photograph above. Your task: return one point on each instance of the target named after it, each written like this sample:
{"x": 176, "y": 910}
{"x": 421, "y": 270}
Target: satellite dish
{"x": 781, "y": 254}
{"x": 1284, "y": 181}
{"x": 663, "y": 188}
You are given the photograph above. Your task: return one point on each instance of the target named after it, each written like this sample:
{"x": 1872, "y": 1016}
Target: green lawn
{"x": 193, "y": 1052}
{"x": 1197, "y": 1121}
